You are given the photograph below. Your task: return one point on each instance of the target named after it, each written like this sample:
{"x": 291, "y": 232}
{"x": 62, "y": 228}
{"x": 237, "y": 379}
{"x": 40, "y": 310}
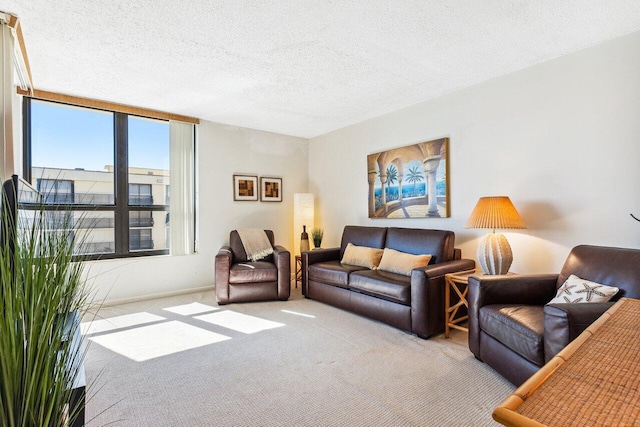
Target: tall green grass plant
{"x": 42, "y": 286}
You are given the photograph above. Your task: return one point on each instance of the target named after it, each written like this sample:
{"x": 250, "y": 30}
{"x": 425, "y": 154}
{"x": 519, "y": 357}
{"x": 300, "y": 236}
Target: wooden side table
{"x": 459, "y": 283}
{"x": 298, "y": 270}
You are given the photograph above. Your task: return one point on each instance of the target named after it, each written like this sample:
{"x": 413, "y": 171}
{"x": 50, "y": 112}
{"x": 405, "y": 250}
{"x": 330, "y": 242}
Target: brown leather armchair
{"x": 241, "y": 280}
{"x": 515, "y": 331}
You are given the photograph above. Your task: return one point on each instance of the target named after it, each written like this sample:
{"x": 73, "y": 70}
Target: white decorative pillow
{"x": 577, "y": 290}
{"x": 401, "y": 263}
{"x": 361, "y": 256}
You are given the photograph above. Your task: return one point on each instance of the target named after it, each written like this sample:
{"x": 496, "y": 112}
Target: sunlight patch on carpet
{"x": 150, "y": 342}
{"x": 298, "y": 314}
{"x": 191, "y": 309}
{"x": 118, "y": 322}
{"x": 239, "y": 322}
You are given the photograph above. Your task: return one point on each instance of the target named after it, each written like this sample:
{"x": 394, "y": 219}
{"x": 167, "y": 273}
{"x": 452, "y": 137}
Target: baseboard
{"x": 154, "y": 296}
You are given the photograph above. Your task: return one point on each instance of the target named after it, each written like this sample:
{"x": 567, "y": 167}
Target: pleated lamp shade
{"x": 494, "y": 213}
{"x": 494, "y": 252}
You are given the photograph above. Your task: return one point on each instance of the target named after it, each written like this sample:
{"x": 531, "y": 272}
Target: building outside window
{"x": 102, "y": 165}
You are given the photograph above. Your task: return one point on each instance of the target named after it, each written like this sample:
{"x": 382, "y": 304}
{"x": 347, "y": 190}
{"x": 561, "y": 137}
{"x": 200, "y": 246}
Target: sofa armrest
{"x": 442, "y": 268}
{"x": 222, "y": 267}
{"x": 564, "y": 322}
{"x": 533, "y": 289}
{"x": 427, "y": 295}
{"x": 311, "y": 257}
{"x": 282, "y": 259}
{"x": 320, "y": 255}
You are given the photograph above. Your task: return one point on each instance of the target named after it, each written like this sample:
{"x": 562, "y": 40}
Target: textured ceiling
{"x": 298, "y": 67}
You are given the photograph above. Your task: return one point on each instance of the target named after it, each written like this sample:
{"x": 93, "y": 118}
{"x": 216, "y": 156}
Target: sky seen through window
{"x": 69, "y": 137}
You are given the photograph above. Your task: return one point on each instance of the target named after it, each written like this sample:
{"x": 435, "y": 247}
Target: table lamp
{"x": 494, "y": 252}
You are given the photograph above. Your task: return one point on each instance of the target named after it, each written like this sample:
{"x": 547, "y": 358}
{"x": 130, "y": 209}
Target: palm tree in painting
{"x": 414, "y": 176}
{"x": 392, "y": 177}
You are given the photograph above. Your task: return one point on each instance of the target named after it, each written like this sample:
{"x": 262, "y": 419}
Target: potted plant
{"x": 43, "y": 296}
{"x": 316, "y": 235}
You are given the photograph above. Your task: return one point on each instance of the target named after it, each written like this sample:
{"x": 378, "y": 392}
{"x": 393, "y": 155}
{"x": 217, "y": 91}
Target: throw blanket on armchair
{"x": 256, "y": 243}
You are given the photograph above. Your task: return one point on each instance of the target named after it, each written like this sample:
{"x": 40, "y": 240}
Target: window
{"x": 110, "y": 169}
{"x": 140, "y": 194}
{"x": 56, "y": 190}
{"x": 140, "y": 239}
{"x": 140, "y": 219}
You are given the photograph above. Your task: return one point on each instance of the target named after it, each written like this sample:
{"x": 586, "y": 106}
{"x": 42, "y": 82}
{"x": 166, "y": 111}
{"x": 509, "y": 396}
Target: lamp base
{"x": 304, "y": 245}
{"x": 494, "y": 254}
{"x": 304, "y": 240}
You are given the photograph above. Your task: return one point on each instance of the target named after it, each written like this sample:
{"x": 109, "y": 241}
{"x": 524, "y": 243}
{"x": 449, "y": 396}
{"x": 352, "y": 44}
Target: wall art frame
{"x": 270, "y": 189}
{"x": 410, "y": 181}
{"x": 245, "y": 188}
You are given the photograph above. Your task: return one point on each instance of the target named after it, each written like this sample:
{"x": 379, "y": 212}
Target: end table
{"x": 298, "y": 277}
{"x": 459, "y": 283}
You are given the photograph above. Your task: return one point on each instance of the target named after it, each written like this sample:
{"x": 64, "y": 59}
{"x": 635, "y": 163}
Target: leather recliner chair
{"x": 515, "y": 331}
{"x": 241, "y": 280}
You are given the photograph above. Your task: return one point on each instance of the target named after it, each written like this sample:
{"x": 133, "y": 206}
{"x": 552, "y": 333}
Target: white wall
{"x": 222, "y": 151}
{"x": 562, "y": 139}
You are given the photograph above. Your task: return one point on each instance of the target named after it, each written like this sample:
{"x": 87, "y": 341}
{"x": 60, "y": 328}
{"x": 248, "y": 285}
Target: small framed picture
{"x": 245, "y": 188}
{"x": 270, "y": 189}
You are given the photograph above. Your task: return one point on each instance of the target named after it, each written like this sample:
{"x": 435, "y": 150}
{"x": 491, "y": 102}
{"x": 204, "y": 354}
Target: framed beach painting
{"x": 270, "y": 189}
{"x": 245, "y": 188}
{"x": 410, "y": 181}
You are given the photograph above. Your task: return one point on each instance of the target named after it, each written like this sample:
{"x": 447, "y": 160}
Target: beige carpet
{"x": 298, "y": 362}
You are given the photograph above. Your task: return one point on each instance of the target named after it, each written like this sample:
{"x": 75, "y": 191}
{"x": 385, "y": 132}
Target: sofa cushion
{"x": 332, "y": 273}
{"x": 250, "y": 272}
{"x": 519, "y": 327}
{"x": 372, "y": 237}
{"x": 388, "y": 286}
{"x": 361, "y": 256}
{"x": 438, "y": 243}
{"x": 401, "y": 263}
{"x": 577, "y": 290}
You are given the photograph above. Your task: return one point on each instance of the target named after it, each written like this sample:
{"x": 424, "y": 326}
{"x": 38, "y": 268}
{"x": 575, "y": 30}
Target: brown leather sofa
{"x": 240, "y": 280}
{"x": 515, "y": 331}
{"x": 414, "y": 303}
